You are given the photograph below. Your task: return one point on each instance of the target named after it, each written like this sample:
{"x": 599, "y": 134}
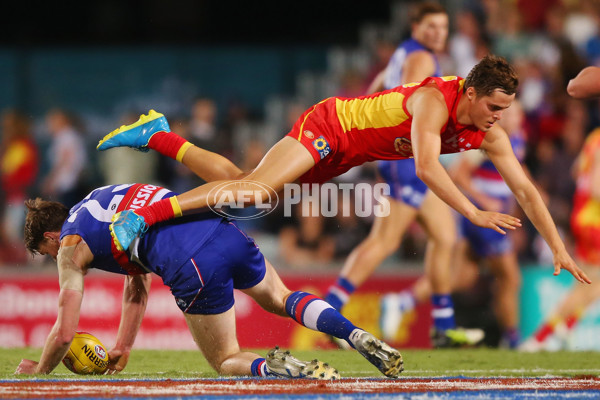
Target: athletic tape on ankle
{"x": 182, "y": 151}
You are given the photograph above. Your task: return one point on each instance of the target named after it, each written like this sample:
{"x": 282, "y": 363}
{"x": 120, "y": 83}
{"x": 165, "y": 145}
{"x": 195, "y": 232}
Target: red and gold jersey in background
{"x": 585, "y": 218}
{"x": 342, "y": 133}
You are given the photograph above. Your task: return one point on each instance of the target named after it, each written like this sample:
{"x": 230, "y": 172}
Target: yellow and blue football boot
{"x": 136, "y": 135}
{"x": 125, "y": 227}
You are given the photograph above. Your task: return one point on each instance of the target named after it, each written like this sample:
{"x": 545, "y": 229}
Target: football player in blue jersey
{"x": 201, "y": 258}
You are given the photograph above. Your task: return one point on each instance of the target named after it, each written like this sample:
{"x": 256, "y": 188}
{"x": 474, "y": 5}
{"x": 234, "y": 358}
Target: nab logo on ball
{"x": 243, "y": 199}
{"x": 86, "y": 355}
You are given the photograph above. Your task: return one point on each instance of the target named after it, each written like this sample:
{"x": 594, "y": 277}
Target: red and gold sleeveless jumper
{"x": 342, "y": 133}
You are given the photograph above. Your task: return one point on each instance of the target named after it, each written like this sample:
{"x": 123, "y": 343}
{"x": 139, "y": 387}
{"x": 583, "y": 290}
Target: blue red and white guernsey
{"x": 401, "y": 175}
{"x": 486, "y": 178}
{"x": 91, "y": 217}
{"x": 188, "y": 253}
{"x": 393, "y": 71}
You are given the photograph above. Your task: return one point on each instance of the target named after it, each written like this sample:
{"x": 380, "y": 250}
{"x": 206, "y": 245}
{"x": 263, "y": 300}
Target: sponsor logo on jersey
{"x": 403, "y": 147}
{"x": 143, "y": 196}
{"x": 321, "y": 145}
{"x": 309, "y": 134}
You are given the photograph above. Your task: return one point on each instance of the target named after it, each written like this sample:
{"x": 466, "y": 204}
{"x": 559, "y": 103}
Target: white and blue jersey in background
{"x": 487, "y": 180}
{"x": 199, "y": 257}
{"x": 401, "y": 175}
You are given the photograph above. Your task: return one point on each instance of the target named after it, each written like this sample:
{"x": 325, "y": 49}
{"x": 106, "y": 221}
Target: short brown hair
{"x": 492, "y": 73}
{"x": 421, "y": 10}
{"x": 42, "y": 216}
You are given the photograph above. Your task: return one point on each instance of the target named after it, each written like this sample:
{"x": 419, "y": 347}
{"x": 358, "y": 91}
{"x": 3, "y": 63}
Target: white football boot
{"x": 283, "y": 364}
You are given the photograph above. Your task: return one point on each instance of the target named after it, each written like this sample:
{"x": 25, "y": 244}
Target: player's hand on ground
{"x": 563, "y": 260}
{"x": 495, "y": 220}
{"x": 117, "y": 360}
{"x": 27, "y": 367}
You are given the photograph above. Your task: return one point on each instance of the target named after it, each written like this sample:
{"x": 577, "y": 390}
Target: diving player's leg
{"x": 383, "y": 239}
{"x": 152, "y": 131}
{"x": 284, "y": 163}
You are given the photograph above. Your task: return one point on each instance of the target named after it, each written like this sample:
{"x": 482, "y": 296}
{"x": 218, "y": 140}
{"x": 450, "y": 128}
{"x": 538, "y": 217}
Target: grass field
{"x": 152, "y": 364}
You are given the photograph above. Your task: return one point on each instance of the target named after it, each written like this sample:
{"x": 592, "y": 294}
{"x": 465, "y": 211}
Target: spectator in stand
{"x": 67, "y": 156}
{"x": 203, "y": 123}
{"x": 19, "y": 164}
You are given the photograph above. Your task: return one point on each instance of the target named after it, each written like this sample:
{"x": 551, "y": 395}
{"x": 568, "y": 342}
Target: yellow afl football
{"x": 87, "y": 355}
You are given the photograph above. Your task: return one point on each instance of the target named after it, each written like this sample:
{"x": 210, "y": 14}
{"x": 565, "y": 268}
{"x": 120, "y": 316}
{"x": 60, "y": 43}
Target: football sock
{"x": 259, "y": 367}
{"x": 443, "y": 312}
{"x": 547, "y": 329}
{"x": 406, "y": 300}
{"x": 339, "y": 293}
{"x": 160, "y": 211}
{"x": 512, "y": 337}
{"x": 316, "y": 314}
{"x": 572, "y": 320}
{"x": 169, "y": 144}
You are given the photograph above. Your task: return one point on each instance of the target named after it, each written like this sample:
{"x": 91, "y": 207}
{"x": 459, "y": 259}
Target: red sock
{"x": 571, "y": 320}
{"x": 160, "y": 211}
{"x": 545, "y": 331}
{"x": 169, "y": 144}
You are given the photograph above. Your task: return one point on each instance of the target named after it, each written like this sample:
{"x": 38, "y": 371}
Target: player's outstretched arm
{"x": 73, "y": 258}
{"x": 135, "y": 299}
{"x": 429, "y": 116}
{"x": 498, "y": 148}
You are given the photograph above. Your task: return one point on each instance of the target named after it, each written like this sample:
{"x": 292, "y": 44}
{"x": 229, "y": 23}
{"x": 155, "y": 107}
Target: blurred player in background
{"x": 19, "y": 165}
{"x": 480, "y": 181}
{"x": 410, "y": 200}
{"x": 585, "y": 225}
{"x": 438, "y": 115}
{"x": 67, "y": 155}
{"x": 202, "y": 258}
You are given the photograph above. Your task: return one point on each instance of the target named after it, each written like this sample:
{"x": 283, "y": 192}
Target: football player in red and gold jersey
{"x": 585, "y": 225}
{"x": 423, "y": 120}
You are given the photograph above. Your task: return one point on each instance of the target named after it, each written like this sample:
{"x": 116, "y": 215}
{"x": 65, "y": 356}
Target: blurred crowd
{"x": 548, "y": 42}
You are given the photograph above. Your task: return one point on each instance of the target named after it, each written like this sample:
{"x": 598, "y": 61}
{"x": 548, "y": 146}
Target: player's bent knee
{"x": 231, "y": 366}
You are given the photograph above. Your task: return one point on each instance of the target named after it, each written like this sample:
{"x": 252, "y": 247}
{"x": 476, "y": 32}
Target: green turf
{"x": 418, "y": 363}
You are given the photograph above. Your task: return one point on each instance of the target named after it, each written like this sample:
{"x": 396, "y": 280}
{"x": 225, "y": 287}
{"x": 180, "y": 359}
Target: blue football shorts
{"x": 229, "y": 260}
{"x": 484, "y": 242}
{"x": 402, "y": 178}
